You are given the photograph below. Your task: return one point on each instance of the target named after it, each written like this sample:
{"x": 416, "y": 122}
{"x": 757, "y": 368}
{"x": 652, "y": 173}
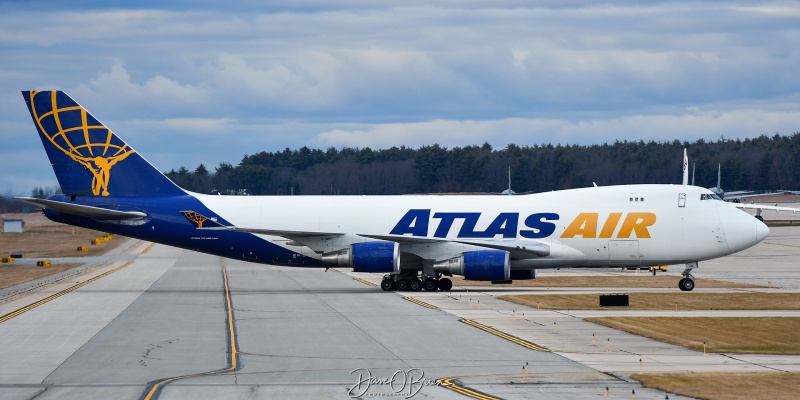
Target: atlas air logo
{"x": 86, "y": 142}
{"x": 195, "y": 217}
{"x": 534, "y": 226}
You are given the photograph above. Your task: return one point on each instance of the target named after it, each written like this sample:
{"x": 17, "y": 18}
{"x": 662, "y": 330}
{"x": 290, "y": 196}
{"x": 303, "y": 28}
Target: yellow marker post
{"x": 633, "y": 394}
{"x": 606, "y": 392}
{"x": 479, "y": 304}
{"x": 704, "y": 347}
{"x": 640, "y": 365}
{"x": 609, "y": 344}
{"x": 593, "y": 339}
{"x": 554, "y": 327}
{"x": 676, "y": 306}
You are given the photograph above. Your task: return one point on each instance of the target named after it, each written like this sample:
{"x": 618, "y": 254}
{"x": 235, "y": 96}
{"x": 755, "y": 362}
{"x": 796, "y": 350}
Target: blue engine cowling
{"x": 367, "y": 257}
{"x": 482, "y": 265}
{"x": 375, "y": 257}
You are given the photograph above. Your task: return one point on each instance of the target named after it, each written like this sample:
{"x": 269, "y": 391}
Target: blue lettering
{"x": 447, "y": 219}
{"x": 505, "y": 224}
{"x": 414, "y": 222}
{"x": 540, "y": 228}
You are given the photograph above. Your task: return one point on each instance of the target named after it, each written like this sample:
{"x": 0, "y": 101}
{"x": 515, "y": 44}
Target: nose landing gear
{"x": 687, "y": 283}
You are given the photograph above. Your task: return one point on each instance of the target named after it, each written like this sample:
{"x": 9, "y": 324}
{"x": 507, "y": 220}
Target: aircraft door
{"x": 623, "y": 252}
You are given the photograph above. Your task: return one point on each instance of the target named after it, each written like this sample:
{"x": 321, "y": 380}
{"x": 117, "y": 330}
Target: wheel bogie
{"x": 430, "y": 285}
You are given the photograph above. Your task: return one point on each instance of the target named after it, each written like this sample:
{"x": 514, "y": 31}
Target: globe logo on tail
{"x": 77, "y": 134}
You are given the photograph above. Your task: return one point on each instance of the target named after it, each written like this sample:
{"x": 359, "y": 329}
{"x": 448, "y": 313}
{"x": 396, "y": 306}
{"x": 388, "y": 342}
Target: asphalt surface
{"x": 155, "y": 322}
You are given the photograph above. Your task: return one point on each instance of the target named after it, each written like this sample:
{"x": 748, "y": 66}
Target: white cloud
{"x": 358, "y": 73}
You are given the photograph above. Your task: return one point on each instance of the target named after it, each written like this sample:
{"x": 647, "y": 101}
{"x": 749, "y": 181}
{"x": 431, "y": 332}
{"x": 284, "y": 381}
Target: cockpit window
{"x": 710, "y": 196}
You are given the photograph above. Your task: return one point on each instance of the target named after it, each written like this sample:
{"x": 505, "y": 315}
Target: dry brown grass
{"x": 755, "y": 335}
{"x": 632, "y": 281}
{"x": 666, "y": 301}
{"x": 733, "y": 385}
{"x": 43, "y": 239}
{"x": 11, "y": 274}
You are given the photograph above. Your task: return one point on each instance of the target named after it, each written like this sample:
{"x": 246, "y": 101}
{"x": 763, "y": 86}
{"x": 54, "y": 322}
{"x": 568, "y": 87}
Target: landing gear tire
{"x": 415, "y": 285}
{"x": 388, "y": 285}
{"x": 403, "y": 284}
{"x": 686, "y": 284}
{"x": 445, "y": 284}
{"x": 760, "y": 218}
{"x": 430, "y": 285}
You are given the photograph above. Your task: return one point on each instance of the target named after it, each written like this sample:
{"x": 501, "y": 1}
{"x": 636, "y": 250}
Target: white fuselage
{"x": 593, "y": 227}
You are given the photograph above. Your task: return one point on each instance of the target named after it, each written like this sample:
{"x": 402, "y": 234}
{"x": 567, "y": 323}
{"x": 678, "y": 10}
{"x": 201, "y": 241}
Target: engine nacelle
{"x": 367, "y": 257}
{"x": 482, "y": 265}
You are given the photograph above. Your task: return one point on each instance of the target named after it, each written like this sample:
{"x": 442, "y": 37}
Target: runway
{"x": 294, "y": 333}
{"x": 158, "y": 322}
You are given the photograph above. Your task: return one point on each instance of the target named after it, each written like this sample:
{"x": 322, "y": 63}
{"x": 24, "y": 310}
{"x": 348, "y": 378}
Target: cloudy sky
{"x": 206, "y": 82}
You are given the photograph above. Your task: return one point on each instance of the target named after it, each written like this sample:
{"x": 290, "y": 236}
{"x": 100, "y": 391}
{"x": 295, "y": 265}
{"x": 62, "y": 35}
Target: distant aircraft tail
{"x": 88, "y": 158}
{"x": 685, "y": 168}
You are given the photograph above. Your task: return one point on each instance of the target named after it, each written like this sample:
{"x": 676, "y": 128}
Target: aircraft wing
{"x": 292, "y": 235}
{"x": 751, "y": 206}
{"x": 81, "y": 210}
{"x": 518, "y": 249}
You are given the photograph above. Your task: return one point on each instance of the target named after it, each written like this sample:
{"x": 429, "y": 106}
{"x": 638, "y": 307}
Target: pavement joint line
{"x": 453, "y": 384}
{"x": 233, "y": 364}
{"x": 512, "y": 338}
{"x": 420, "y": 302}
{"x": 31, "y": 306}
{"x": 364, "y": 281}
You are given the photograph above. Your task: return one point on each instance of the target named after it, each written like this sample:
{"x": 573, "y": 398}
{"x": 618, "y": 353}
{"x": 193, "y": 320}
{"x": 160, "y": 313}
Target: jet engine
{"x": 367, "y": 257}
{"x": 481, "y": 265}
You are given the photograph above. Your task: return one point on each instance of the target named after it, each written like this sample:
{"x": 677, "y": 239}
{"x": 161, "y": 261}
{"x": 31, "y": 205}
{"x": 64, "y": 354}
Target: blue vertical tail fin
{"x": 87, "y": 157}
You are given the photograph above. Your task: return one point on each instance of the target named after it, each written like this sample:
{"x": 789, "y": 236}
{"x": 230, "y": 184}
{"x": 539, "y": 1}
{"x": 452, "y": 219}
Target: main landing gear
{"x": 687, "y": 283}
{"x": 408, "y": 281}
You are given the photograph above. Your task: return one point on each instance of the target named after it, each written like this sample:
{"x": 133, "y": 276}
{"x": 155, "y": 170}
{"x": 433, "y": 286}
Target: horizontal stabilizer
{"x": 81, "y": 210}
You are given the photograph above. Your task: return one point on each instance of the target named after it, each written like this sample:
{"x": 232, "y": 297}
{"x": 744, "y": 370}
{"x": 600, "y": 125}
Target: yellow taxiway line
{"x": 29, "y": 307}
{"x": 420, "y": 302}
{"x": 504, "y": 335}
{"x": 233, "y": 364}
{"x": 451, "y": 383}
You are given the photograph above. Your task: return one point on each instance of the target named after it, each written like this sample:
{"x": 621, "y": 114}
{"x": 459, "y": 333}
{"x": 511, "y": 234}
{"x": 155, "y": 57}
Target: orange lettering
{"x": 585, "y": 224}
{"x": 610, "y": 225}
{"x": 638, "y": 223}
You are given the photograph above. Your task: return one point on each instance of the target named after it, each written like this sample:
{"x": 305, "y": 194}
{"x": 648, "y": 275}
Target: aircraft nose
{"x": 761, "y": 231}
{"x": 741, "y": 229}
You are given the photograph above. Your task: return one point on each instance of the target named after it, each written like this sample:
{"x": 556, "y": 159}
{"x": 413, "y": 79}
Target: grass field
{"x": 666, "y": 301}
{"x": 11, "y": 274}
{"x": 44, "y": 239}
{"x": 755, "y": 335}
{"x": 632, "y": 281}
{"x": 729, "y": 386}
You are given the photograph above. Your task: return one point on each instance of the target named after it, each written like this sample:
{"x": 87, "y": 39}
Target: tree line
{"x": 759, "y": 163}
